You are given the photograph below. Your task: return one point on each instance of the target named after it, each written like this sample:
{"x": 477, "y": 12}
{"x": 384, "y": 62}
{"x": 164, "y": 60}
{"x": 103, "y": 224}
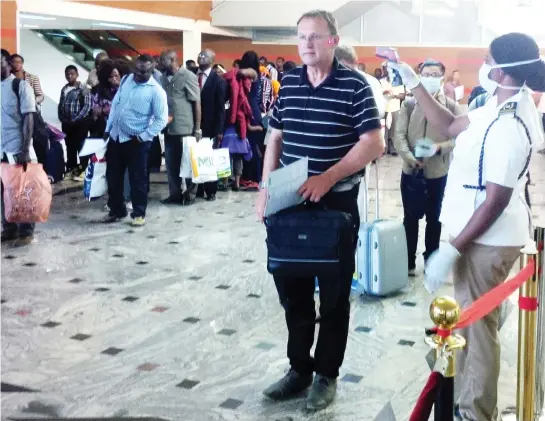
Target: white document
{"x": 459, "y": 92}
{"x": 283, "y": 185}
{"x": 94, "y": 145}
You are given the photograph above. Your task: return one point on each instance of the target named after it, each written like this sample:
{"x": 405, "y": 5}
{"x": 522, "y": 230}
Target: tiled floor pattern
{"x": 179, "y": 320}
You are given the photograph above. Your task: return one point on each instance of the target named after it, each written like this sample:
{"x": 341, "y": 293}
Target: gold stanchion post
{"x": 526, "y": 369}
{"x": 445, "y": 313}
{"x": 525, "y": 409}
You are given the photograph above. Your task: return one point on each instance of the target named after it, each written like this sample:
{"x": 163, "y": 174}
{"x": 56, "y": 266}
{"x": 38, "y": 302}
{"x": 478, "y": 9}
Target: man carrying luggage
{"x": 327, "y": 112}
{"x": 18, "y": 108}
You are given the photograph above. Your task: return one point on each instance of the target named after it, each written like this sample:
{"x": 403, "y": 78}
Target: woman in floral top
{"x": 109, "y": 79}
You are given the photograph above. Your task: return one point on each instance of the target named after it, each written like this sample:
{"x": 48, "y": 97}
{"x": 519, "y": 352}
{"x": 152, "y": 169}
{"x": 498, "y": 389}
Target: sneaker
{"x": 291, "y": 385}
{"x": 211, "y": 198}
{"x": 78, "y": 175}
{"x": 128, "y": 205}
{"x": 23, "y": 240}
{"x": 109, "y": 219}
{"x": 322, "y": 393}
{"x": 171, "y": 201}
{"x": 106, "y": 208}
{"x": 188, "y": 202}
{"x": 139, "y": 221}
{"x": 412, "y": 273}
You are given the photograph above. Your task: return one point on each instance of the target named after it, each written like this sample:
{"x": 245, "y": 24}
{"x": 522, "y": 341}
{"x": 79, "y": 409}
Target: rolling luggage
{"x": 382, "y": 258}
{"x": 55, "y": 164}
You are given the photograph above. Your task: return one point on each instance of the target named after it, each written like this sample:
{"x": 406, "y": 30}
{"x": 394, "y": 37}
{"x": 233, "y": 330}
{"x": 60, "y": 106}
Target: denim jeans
{"x": 422, "y": 197}
{"x": 131, "y": 155}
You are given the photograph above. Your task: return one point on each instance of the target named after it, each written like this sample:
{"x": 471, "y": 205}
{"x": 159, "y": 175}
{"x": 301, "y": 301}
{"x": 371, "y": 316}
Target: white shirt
{"x": 376, "y": 87}
{"x": 506, "y": 152}
{"x": 205, "y": 75}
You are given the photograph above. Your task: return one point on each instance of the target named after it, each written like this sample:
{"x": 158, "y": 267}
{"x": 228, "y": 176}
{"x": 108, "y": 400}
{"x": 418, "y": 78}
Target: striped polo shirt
{"x": 323, "y": 123}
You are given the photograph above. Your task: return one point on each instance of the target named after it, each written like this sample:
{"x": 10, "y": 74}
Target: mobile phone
{"x": 388, "y": 53}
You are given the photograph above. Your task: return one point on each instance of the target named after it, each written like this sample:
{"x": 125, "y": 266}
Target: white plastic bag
{"x": 94, "y": 145}
{"x": 95, "y": 184}
{"x": 202, "y": 162}
{"x": 185, "y": 167}
{"x": 222, "y": 160}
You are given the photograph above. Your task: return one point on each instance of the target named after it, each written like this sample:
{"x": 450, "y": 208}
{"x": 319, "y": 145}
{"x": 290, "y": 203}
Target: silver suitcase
{"x": 382, "y": 259}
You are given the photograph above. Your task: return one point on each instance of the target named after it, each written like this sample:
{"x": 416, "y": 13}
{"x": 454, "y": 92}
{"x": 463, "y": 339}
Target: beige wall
{"x": 8, "y": 25}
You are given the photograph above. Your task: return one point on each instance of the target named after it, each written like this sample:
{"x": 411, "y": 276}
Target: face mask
{"x": 490, "y": 85}
{"x": 431, "y": 84}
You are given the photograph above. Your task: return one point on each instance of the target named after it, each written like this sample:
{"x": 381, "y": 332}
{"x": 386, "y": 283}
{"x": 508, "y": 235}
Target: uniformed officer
{"x": 484, "y": 210}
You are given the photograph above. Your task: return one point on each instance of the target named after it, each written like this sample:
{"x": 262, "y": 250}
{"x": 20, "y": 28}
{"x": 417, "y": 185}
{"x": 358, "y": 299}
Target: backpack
{"x": 40, "y": 133}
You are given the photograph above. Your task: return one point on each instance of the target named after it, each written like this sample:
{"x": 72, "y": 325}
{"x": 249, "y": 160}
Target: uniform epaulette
{"x": 509, "y": 108}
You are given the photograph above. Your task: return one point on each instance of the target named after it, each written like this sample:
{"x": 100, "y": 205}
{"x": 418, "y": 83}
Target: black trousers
{"x": 422, "y": 197}
{"x": 76, "y": 133}
{"x": 297, "y": 297}
{"x": 134, "y": 156}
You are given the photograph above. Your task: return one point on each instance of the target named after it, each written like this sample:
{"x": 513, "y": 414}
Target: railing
{"x": 438, "y": 393}
{"x": 71, "y": 45}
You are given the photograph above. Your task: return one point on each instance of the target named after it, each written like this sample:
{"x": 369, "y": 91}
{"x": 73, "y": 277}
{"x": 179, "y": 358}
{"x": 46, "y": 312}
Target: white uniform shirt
{"x": 506, "y": 152}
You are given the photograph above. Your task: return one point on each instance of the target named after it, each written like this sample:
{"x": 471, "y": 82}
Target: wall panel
{"x": 198, "y": 10}
{"x": 8, "y": 25}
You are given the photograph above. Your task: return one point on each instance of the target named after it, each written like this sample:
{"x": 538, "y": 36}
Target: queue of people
{"x": 465, "y": 173}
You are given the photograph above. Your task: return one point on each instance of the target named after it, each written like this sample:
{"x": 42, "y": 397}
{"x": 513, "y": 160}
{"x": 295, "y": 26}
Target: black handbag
{"x": 306, "y": 242}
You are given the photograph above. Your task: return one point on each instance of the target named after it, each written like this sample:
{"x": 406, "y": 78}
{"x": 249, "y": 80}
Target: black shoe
{"x": 211, "y": 198}
{"x": 188, "y": 202}
{"x": 322, "y": 393}
{"x": 289, "y": 386}
{"x": 8, "y": 235}
{"x": 235, "y": 188}
{"x": 24, "y": 240}
{"x": 109, "y": 219}
{"x": 171, "y": 201}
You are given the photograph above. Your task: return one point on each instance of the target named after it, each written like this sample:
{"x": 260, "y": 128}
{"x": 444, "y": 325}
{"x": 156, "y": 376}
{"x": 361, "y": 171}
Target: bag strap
{"x": 16, "y": 85}
{"x": 480, "y": 185}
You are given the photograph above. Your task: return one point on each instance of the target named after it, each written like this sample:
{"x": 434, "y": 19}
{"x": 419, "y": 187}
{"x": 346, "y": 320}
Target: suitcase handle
{"x": 366, "y": 190}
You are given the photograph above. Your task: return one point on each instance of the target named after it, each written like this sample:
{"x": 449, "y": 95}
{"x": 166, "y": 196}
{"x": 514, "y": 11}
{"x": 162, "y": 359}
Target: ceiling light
{"x": 113, "y": 25}
{"x": 40, "y": 35}
{"x": 69, "y": 56}
{"x": 71, "y": 36}
{"x": 26, "y": 25}
{"x": 37, "y": 17}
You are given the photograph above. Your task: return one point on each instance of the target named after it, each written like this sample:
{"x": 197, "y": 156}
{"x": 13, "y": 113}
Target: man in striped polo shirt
{"x": 325, "y": 112}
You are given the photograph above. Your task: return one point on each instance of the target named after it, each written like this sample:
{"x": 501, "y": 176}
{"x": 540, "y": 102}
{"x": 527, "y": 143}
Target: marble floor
{"x": 179, "y": 320}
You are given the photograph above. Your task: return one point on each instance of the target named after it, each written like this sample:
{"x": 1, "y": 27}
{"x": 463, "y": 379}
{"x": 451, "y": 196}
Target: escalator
{"x": 83, "y": 46}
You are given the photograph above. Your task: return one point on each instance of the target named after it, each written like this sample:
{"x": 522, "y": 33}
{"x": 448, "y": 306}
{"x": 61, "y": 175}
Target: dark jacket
{"x": 213, "y": 106}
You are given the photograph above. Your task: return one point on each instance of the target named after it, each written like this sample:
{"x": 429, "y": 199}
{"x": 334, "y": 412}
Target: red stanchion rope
{"x": 492, "y": 299}
{"x": 426, "y": 400}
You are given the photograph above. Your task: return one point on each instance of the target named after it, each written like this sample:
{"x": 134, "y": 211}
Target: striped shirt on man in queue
{"x": 325, "y": 122}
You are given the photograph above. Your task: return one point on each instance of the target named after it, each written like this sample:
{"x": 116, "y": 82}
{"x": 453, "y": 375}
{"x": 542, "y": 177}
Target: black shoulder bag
{"x": 308, "y": 241}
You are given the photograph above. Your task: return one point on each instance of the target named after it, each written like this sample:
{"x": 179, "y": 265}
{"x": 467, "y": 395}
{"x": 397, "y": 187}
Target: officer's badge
{"x": 509, "y": 108}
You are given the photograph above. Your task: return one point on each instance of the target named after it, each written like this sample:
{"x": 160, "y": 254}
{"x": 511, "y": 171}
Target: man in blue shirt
{"x": 139, "y": 112}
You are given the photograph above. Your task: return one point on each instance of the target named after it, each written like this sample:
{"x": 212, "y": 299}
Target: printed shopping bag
{"x": 222, "y": 160}
{"x": 27, "y": 194}
{"x": 185, "y": 167}
{"x": 202, "y": 162}
{"x": 95, "y": 184}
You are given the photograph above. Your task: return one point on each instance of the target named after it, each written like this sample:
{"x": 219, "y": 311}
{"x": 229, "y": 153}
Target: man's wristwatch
{"x": 197, "y": 131}
{"x": 263, "y": 185}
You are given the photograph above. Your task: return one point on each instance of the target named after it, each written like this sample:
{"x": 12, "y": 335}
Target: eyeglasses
{"x": 312, "y": 38}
